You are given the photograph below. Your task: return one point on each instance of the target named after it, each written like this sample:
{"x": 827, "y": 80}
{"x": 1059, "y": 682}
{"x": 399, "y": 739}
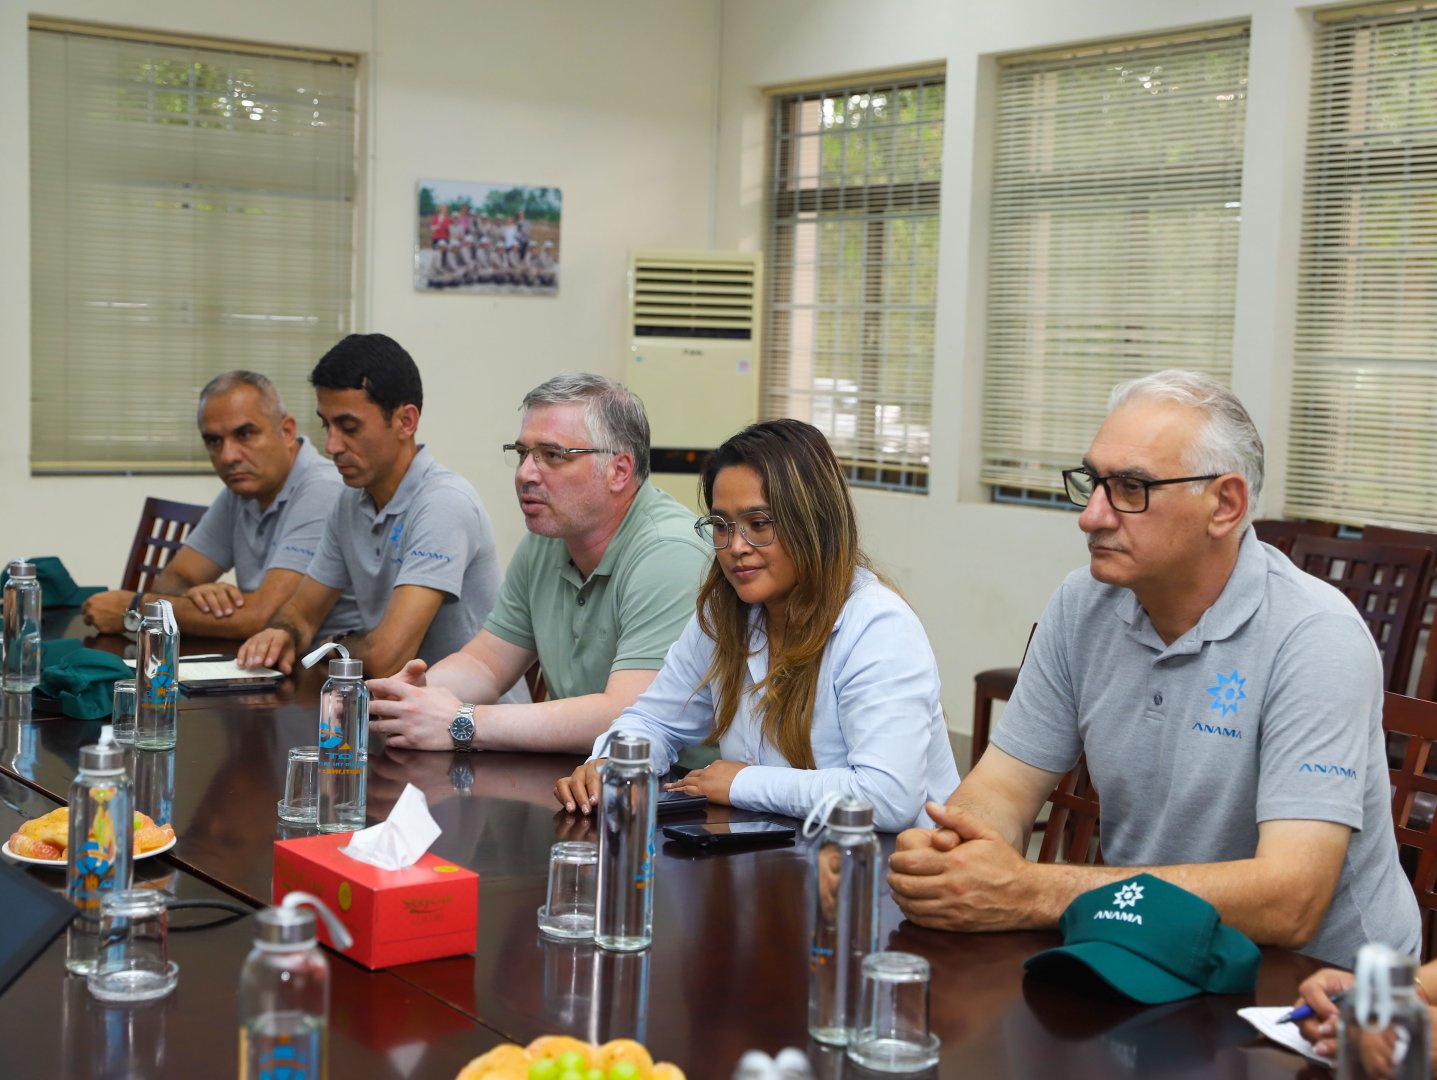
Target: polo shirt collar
{"x": 409, "y": 487}
{"x": 305, "y": 460}
{"x": 1239, "y": 600}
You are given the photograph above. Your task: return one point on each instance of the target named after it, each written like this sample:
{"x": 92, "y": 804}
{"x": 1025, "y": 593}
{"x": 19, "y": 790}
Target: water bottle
{"x": 845, "y": 915}
{"x": 1383, "y": 1029}
{"x": 157, "y": 678}
{"x": 284, "y": 993}
{"x": 102, "y": 837}
{"x": 343, "y": 741}
{"x": 628, "y": 800}
{"x": 20, "y": 649}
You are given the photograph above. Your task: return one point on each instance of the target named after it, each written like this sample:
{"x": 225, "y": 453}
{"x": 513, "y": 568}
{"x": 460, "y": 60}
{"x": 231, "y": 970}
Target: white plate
{"x": 59, "y": 864}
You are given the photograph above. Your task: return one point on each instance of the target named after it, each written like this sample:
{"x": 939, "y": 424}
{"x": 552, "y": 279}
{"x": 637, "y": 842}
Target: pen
{"x": 1303, "y": 1011}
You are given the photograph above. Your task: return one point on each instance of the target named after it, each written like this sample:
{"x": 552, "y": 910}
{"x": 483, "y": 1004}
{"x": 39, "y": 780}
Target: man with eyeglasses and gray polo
{"x": 1229, "y": 704}
{"x": 603, "y": 584}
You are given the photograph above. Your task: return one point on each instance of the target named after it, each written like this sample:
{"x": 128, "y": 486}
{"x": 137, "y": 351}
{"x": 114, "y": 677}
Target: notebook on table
{"x": 221, "y": 675}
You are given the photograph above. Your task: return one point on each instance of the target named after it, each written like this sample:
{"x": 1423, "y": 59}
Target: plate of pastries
{"x": 42, "y": 841}
{"x": 554, "y": 1057}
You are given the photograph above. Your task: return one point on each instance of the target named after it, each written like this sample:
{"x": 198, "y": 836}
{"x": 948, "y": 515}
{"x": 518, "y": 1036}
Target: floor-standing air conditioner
{"x": 693, "y": 357}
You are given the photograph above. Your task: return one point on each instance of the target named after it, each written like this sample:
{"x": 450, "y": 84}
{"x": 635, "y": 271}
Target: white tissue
{"x": 399, "y": 840}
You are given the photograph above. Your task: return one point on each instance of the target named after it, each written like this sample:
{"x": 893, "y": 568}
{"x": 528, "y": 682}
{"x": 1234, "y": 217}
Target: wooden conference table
{"x": 727, "y": 971}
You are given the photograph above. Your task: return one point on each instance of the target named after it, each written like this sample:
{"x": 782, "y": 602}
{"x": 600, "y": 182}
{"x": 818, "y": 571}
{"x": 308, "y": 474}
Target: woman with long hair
{"x": 808, "y": 672}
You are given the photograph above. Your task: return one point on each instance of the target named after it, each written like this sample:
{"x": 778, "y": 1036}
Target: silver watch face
{"x": 461, "y": 730}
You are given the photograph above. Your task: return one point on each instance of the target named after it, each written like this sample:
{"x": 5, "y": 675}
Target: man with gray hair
{"x": 1230, "y": 707}
{"x": 265, "y": 525}
{"x": 597, "y": 592}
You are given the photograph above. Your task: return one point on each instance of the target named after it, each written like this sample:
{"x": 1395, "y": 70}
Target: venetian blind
{"x": 1113, "y": 238}
{"x": 1364, "y": 391}
{"x": 191, "y": 212}
{"x": 853, "y": 269}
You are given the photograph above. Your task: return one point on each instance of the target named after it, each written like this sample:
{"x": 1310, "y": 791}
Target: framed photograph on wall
{"x": 487, "y": 238}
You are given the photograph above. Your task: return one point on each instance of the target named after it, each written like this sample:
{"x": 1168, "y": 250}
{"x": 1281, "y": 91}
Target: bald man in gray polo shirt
{"x": 1229, "y": 704}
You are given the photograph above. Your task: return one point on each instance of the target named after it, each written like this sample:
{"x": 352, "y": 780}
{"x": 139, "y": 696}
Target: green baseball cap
{"x": 1153, "y": 942}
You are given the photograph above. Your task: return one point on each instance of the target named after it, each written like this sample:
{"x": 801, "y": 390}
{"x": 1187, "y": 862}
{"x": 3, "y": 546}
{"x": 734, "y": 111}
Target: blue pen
{"x": 1302, "y": 1012}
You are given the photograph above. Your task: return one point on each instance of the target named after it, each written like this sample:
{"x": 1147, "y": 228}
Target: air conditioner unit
{"x": 693, "y": 357}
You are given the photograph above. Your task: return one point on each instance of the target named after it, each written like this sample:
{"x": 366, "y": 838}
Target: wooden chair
{"x": 1423, "y": 680}
{"x": 538, "y": 688}
{"x": 1387, "y": 582}
{"x": 1281, "y": 534}
{"x": 1072, "y": 832}
{"x": 163, "y": 528}
{"x": 1411, "y": 727}
{"x": 995, "y": 684}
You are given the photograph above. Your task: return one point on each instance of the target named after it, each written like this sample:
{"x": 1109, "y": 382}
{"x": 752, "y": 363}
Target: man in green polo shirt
{"x": 597, "y": 592}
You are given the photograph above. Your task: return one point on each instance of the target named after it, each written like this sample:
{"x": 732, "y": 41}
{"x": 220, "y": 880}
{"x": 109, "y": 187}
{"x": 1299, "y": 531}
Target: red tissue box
{"x": 424, "y": 911}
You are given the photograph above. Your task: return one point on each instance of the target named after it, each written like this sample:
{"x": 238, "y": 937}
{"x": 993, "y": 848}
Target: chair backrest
{"x": 1411, "y": 727}
{"x": 1387, "y": 582}
{"x": 534, "y": 679}
{"x": 162, "y": 531}
{"x": 1423, "y": 680}
{"x": 1281, "y": 534}
{"x": 1072, "y": 831}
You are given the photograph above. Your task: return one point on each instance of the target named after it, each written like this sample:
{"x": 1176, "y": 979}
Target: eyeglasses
{"x": 547, "y": 456}
{"x": 757, "y": 529}
{"x": 1126, "y": 494}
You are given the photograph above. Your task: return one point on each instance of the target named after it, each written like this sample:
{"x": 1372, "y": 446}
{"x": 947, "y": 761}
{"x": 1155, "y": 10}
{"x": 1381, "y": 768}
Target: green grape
{"x": 594, "y": 1074}
{"x": 571, "y": 1061}
{"x": 624, "y": 1070}
{"x": 544, "y": 1069}
{"x": 572, "y": 1074}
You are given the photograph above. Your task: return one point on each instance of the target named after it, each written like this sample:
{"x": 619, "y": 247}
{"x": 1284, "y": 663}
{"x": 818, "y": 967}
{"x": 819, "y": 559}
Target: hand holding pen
{"x": 1305, "y": 1011}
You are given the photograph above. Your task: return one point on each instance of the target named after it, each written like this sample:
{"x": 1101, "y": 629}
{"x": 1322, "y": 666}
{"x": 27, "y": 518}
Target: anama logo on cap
{"x": 1127, "y": 896}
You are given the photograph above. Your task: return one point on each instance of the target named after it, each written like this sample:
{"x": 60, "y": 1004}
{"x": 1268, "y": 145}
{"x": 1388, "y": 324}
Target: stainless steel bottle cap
{"x": 346, "y": 668}
{"x": 1402, "y": 972}
{"x": 102, "y": 758}
{"x": 851, "y": 814}
{"x": 153, "y": 610}
{"x": 20, "y": 569}
{"x": 629, "y": 748}
{"x": 285, "y": 926}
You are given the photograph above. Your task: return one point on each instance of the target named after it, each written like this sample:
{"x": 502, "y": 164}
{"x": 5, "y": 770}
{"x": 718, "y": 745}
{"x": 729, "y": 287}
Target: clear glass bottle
{"x": 157, "y": 678}
{"x": 1383, "y": 1029}
{"x": 101, "y": 841}
{"x": 628, "y": 800}
{"x": 284, "y": 993}
{"x": 343, "y": 741}
{"x": 847, "y": 860}
{"x": 20, "y": 650}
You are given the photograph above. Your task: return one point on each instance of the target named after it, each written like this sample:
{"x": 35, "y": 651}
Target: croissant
{"x": 47, "y": 837}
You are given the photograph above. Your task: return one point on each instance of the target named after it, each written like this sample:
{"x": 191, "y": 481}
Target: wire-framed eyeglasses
{"x": 547, "y": 455}
{"x": 757, "y": 528}
{"x": 1126, "y": 494}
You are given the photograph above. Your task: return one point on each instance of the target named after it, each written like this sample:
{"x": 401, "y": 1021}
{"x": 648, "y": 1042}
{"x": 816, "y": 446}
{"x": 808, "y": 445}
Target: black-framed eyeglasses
{"x": 1126, "y": 494}
{"x": 756, "y": 527}
{"x": 547, "y": 455}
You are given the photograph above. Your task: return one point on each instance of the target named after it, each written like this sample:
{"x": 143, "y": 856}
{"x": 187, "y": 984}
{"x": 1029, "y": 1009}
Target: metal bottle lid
{"x": 102, "y": 758}
{"x": 287, "y": 926}
{"x": 153, "y": 610}
{"x": 1401, "y": 971}
{"x": 346, "y": 667}
{"x": 21, "y": 570}
{"x": 633, "y": 748}
{"x": 851, "y": 815}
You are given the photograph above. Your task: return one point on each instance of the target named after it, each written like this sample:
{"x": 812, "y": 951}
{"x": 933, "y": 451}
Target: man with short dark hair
{"x": 1229, "y": 705}
{"x": 603, "y": 585}
{"x": 409, "y": 537}
{"x": 265, "y": 525}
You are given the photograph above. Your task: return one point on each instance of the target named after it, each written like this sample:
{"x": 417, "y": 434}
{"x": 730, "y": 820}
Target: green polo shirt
{"x": 624, "y": 617}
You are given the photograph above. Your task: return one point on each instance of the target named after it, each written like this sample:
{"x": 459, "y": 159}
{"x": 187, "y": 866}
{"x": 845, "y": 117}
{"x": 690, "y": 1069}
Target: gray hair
{"x": 1227, "y": 442}
{"x": 232, "y": 380}
{"x": 614, "y": 416}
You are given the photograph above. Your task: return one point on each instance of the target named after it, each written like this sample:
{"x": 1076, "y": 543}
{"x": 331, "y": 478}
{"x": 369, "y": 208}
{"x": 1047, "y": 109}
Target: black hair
{"x": 376, "y": 364}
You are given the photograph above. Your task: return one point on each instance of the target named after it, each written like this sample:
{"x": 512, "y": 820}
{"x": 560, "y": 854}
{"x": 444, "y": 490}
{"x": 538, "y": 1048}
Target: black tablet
{"x": 34, "y": 916}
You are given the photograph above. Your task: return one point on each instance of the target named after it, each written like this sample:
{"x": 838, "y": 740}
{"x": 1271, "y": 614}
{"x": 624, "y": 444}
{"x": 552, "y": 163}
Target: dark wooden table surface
{"x": 727, "y": 971}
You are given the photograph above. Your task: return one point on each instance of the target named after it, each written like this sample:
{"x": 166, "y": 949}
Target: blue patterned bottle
{"x": 343, "y": 741}
{"x": 157, "y": 678}
{"x": 101, "y": 840}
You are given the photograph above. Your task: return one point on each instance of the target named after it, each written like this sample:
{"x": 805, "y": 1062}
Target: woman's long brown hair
{"x": 808, "y": 498}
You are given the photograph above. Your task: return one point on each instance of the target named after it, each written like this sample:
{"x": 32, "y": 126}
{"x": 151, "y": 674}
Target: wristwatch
{"x": 461, "y": 779}
{"x": 461, "y": 728}
{"x": 133, "y": 618}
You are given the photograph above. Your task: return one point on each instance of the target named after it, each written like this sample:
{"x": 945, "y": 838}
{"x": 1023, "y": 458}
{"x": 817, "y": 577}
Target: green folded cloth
{"x": 57, "y": 587}
{"x": 83, "y": 680}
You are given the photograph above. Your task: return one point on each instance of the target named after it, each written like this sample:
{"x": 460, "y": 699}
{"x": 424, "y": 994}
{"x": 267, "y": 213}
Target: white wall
{"x": 978, "y": 573}
{"x": 614, "y": 104}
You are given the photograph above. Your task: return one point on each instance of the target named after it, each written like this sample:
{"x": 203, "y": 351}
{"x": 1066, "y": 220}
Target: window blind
{"x": 1364, "y": 392}
{"x": 1113, "y": 238}
{"x": 191, "y": 212}
{"x": 853, "y": 258}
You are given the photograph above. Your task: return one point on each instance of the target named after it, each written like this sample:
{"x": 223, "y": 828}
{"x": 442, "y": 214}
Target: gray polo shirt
{"x": 236, "y": 534}
{"x": 435, "y": 533}
{"x": 1270, "y": 708}
{"x": 625, "y": 615}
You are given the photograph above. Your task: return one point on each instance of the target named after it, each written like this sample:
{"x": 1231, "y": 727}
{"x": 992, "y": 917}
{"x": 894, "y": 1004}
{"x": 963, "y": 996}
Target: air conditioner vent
{"x": 703, "y": 296}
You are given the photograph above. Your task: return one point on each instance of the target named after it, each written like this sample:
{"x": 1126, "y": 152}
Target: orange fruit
{"x": 507, "y": 1058}
{"x": 555, "y": 1046}
{"x": 617, "y": 1050}
{"x": 667, "y": 1070}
